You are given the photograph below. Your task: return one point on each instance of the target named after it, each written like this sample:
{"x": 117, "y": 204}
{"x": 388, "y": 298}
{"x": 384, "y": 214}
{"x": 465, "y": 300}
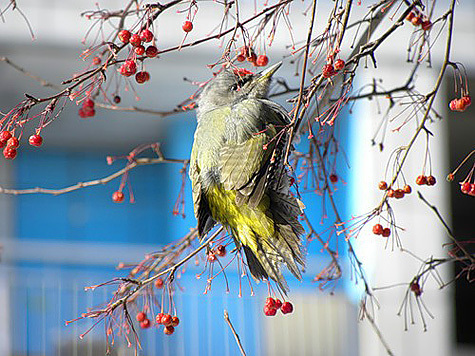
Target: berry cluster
{"x": 379, "y": 230}
{"x": 248, "y": 53}
{"x": 87, "y": 108}
{"x": 460, "y": 104}
{"x": 169, "y": 322}
{"x": 10, "y": 143}
{"x": 395, "y": 193}
{"x": 425, "y": 180}
{"x": 143, "y": 320}
{"x": 329, "y": 69}
{"x": 272, "y": 305}
{"x": 129, "y": 67}
{"x": 417, "y": 20}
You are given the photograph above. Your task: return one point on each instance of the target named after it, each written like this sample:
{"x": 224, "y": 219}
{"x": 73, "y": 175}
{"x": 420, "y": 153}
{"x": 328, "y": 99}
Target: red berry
{"x": 416, "y": 288}
{"x": 9, "y": 152}
{"x": 87, "y": 109}
{"x": 270, "y": 302}
{"x": 13, "y": 142}
{"x": 453, "y": 105}
{"x": 82, "y": 113}
{"x": 460, "y": 105}
{"x": 135, "y": 40}
{"x": 145, "y": 324}
{"x": 472, "y": 189}
{"x": 96, "y": 61}
{"x": 245, "y": 50}
{"x": 141, "y": 316}
{"x": 268, "y": 311}
{"x": 262, "y": 60}
{"x": 166, "y": 319}
{"x": 252, "y": 57}
{"x": 426, "y": 25}
{"x": 416, "y": 20}
{"x": 399, "y": 193}
{"x": 421, "y": 180}
{"x": 386, "y": 232}
{"x": 187, "y": 26}
{"x": 175, "y": 321}
{"x": 142, "y": 77}
{"x": 339, "y": 64}
{"x": 328, "y": 71}
{"x": 131, "y": 66}
{"x": 169, "y": 330}
{"x": 407, "y": 189}
{"x": 431, "y": 180}
{"x": 139, "y": 50}
{"x": 410, "y": 16}
{"x": 390, "y": 193}
{"x": 240, "y": 58}
{"x": 123, "y": 71}
{"x": 35, "y": 140}
{"x": 88, "y": 103}
{"x": 211, "y": 257}
{"x": 146, "y": 35}
{"x": 151, "y": 51}
{"x": 378, "y": 229}
{"x": 467, "y": 100}
{"x": 116, "y": 99}
{"x": 158, "y": 318}
{"x": 464, "y": 187}
{"x": 159, "y": 283}
{"x": 333, "y": 178}
{"x": 118, "y": 197}
{"x": 278, "y": 303}
{"x": 5, "y": 136}
{"x": 383, "y": 185}
{"x": 221, "y": 250}
{"x": 124, "y": 36}
{"x": 287, "y": 308}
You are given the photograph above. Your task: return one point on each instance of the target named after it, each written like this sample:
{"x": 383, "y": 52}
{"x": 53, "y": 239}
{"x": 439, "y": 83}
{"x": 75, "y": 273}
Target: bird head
{"x": 231, "y": 86}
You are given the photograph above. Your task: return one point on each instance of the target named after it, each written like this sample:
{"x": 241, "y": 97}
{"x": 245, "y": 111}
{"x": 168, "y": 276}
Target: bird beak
{"x": 269, "y": 72}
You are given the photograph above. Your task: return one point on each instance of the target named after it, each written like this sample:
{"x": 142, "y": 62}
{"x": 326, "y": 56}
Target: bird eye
{"x": 240, "y": 83}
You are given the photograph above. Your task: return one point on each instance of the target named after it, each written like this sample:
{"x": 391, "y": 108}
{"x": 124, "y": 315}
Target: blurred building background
{"x": 52, "y": 247}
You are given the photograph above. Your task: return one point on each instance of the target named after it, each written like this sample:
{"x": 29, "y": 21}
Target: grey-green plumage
{"x": 238, "y": 176}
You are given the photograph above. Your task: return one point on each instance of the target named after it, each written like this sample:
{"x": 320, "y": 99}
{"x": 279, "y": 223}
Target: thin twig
{"x": 379, "y": 334}
{"x": 447, "y": 228}
{"x": 40, "y": 80}
{"x": 79, "y": 185}
{"x": 236, "y": 336}
{"x": 296, "y": 119}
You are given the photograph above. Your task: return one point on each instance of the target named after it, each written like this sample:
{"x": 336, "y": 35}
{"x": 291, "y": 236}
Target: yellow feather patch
{"x": 246, "y": 221}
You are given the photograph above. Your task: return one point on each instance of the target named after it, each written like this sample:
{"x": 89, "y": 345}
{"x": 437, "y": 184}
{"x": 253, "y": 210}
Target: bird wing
{"x": 275, "y": 112}
{"x": 245, "y": 165}
{"x": 200, "y": 203}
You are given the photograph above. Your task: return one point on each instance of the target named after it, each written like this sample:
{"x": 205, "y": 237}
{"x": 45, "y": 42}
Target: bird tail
{"x": 269, "y": 233}
{"x": 284, "y": 246}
